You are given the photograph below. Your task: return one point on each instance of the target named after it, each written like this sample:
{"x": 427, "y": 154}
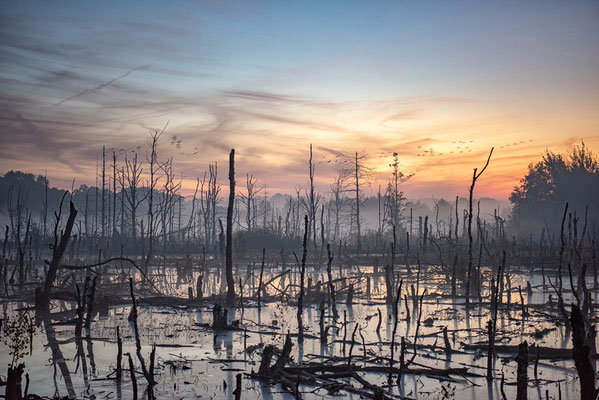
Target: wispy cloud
{"x": 103, "y": 85}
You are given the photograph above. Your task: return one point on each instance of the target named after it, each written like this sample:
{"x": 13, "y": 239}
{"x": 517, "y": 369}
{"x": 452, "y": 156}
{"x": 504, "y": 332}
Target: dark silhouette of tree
{"x": 229, "y": 249}
{"x": 553, "y": 181}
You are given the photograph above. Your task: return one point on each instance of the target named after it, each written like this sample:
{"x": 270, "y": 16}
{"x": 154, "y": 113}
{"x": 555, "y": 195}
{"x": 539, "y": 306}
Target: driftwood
{"x": 542, "y": 352}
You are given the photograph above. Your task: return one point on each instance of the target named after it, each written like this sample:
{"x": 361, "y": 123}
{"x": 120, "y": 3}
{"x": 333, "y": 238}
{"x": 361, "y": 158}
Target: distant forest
{"x": 147, "y": 203}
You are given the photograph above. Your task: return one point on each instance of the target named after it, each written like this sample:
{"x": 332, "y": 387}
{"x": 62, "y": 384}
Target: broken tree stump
{"x": 522, "y": 373}
{"x": 13, "y": 382}
{"x": 580, "y": 353}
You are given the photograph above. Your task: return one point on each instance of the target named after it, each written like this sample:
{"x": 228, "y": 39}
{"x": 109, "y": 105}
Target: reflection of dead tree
{"x": 492, "y": 323}
{"x": 148, "y": 373}
{"x": 260, "y": 280}
{"x": 57, "y": 355}
{"x": 395, "y": 320}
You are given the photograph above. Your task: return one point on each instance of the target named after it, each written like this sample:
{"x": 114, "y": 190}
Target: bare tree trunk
{"x": 580, "y": 353}
{"x": 359, "y": 240}
{"x": 300, "y": 300}
{"x": 475, "y": 176}
{"x": 103, "y": 215}
{"x": 522, "y": 375}
{"x": 229, "y": 249}
{"x": 261, "y": 275}
{"x": 57, "y": 253}
{"x": 46, "y": 208}
{"x": 457, "y": 218}
{"x": 14, "y": 389}
{"x": 312, "y": 207}
{"x": 113, "y": 193}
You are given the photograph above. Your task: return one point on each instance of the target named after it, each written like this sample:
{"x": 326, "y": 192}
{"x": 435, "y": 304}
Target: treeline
{"x": 137, "y": 207}
{"x": 552, "y": 182}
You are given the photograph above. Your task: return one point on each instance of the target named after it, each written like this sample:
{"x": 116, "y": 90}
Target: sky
{"x": 437, "y": 82}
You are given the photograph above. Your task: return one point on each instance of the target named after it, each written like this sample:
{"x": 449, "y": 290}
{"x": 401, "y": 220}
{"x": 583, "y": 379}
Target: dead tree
{"x": 132, "y": 177}
{"x": 114, "y": 174}
{"x": 356, "y": 173}
{"x": 14, "y": 389}
{"x": 152, "y": 159}
{"x": 393, "y": 196}
{"x": 337, "y": 188}
{"x": 475, "y": 177}
{"x": 580, "y": 354}
{"x": 331, "y": 285}
{"x": 492, "y": 323}
{"x": 133, "y": 379}
{"x": 103, "y": 214}
{"x": 90, "y": 303}
{"x": 58, "y": 249}
{"x": 229, "y": 249}
{"x": 248, "y": 199}
{"x": 212, "y": 200}
{"x": 522, "y": 374}
{"x": 300, "y": 300}
{"x": 395, "y": 320}
{"x": 260, "y": 281}
{"x": 148, "y": 374}
{"x": 15, "y": 212}
{"x": 559, "y": 285}
{"x": 312, "y": 201}
{"x": 119, "y": 356}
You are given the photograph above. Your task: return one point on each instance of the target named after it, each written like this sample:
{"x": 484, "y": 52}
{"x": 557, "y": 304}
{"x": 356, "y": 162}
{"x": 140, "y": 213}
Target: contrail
{"x": 103, "y": 85}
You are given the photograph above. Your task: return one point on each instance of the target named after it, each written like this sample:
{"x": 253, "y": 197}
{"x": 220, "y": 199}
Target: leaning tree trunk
{"x": 57, "y": 253}
{"x": 229, "y": 249}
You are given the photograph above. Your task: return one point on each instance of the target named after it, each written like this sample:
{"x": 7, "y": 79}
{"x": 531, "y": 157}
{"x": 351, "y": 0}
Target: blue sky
{"x": 268, "y": 78}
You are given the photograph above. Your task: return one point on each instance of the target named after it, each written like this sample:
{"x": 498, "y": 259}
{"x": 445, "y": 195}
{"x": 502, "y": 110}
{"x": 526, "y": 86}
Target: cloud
{"x": 105, "y": 84}
{"x": 269, "y": 113}
{"x": 263, "y": 96}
